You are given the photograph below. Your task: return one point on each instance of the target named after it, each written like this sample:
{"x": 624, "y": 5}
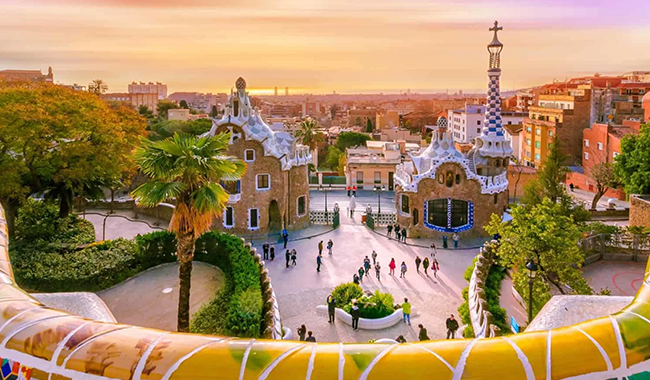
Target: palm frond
{"x": 210, "y": 198}
{"x": 152, "y": 193}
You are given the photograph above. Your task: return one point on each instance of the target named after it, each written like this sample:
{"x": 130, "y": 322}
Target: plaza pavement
{"x": 623, "y": 278}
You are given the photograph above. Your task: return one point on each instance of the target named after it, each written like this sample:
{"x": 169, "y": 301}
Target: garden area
{"x": 54, "y": 254}
{"x": 377, "y": 305}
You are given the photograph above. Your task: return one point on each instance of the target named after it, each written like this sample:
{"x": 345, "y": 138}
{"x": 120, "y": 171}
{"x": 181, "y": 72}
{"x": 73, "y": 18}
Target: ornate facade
{"x": 274, "y": 192}
{"x": 444, "y": 191}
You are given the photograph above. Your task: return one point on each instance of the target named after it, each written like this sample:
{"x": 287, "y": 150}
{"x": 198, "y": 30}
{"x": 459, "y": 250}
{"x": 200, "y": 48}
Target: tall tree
{"x": 350, "y": 140}
{"x": 309, "y": 135}
{"x": 144, "y": 111}
{"x": 603, "y": 175}
{"x": 553, "y": 172}
{"x": 98, "y": 86}
{"x": 545, "y": 235}
{"x": 369, "y": 127}
{"x": 633, "y": 164}
{"x": 164, "y": 106}
{"x": 214, "y": 112}
{"x": 187, "y": 170}
{"x": 333, "y": 156}
{"x": 183, "y": 104}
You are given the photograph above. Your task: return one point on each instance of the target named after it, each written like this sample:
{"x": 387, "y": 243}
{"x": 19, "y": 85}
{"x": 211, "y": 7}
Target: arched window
{"x": 505, "y": 162}
{"x": 416, "y": 216}
{"x": 441, "y": 178}
{"x": 457, "y": 179}
{"x": 450, "y": 179}
{"x": 235, "y": 105}
{"x": 495, "y": 198}
{"x": 496, "y": 163}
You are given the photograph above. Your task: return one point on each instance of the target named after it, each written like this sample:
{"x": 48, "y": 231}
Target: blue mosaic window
{"x": 448, "y": 215}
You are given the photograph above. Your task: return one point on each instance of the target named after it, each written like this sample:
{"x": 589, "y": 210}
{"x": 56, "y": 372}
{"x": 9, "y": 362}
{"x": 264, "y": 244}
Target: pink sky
{"x": 322, "y": 46}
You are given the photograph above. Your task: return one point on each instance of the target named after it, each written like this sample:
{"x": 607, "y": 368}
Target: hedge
{"x": 377, "y": 305}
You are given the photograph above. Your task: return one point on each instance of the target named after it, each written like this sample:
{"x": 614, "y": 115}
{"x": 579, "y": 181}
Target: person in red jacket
{"x": 354, "y": 190}
{"x": 348, "y": 189}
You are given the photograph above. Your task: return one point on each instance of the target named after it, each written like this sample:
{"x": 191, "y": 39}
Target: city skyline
{"x": 317, "y": 47}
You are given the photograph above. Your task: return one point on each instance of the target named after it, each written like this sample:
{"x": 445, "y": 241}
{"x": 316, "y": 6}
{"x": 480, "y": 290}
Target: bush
{"x": 39, "y": 222}
{"x": 345, "y": 293}
{"x": 379, "y": 305}
{"x": 156, "y": 248}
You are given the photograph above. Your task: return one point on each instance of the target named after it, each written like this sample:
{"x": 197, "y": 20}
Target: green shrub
{"x": 156, "y": 248}
{"x": 345, "y": 293}
{"x": 39, "y": 222}
{"x": 378, "y": 305}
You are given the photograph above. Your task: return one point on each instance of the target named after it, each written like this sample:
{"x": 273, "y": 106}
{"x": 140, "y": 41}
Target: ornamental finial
{"x": 495, "y": 29}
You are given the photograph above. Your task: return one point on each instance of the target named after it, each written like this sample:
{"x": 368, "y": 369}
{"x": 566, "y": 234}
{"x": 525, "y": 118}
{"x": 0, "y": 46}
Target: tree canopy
{"x": 164, "y": 106}
{"x": 632, "y": 166}
{"x": 351, "y": 140}
{"x": 308, "y": 133}
{"x": 62, "y": 141}
{"x": 545, "y": 235}
{"x": 166, "y": 128}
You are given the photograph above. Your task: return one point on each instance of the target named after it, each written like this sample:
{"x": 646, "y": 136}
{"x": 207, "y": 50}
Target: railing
{"x": 476, "y": 298}
{"x": 321, "y": 217}
{"x": 384, "y": 219}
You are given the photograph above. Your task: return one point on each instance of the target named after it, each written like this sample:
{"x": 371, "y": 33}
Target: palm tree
{"x": 98, "y": 86}
{"x": 188, "y": 170}
{"x": 309, "y": 136}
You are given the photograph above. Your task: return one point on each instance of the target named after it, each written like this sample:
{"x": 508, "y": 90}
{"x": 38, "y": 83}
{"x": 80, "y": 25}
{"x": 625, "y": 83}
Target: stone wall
{"x": 271, "y": 322}
{"x": 468, "y": 190}
{"x": 477, "y": 300}
{"x": 640, "y": 210}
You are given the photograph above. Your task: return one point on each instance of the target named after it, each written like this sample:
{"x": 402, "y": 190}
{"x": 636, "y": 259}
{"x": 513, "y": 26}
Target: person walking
{"x": 406, "y": 311}
{"x": 391, "y": 267}
{"x": 355, "y": 313}
{"x": 348, "y": 188}
{"x": 285, "y": 237}
{"x": 389, "y": 229}
{"x": 361, "y": 271}
{"x": 330, "y": 244}
{"x": 302, "y": 330}
{"x": 423, "y": 333}
{"x": 319, "y": 261}
{"x": 378, "y": 271}
{"x": 454, "y": 237}
{"x": 452, "y": 326}
{"x": 403, "y": 269}
{"x": 355, "y": 278}
{"x": 320, "y": 247}
{"x": 366, "y": 265}
{"x": 404, "y": 234}
{"x": 425, "y": 265}
{"x": 331, "y": 308}
{"x": 444, "y": 241}
{"x": 294, "y": 256}
{"x": 310, "y": 337}
{"x": 374, "y": 257}
{"x": 354, "y": 190}
{"x": 418, "y": 261}
{"x": 287, "y": 256}
{"x": 265, "y": 249}
{"x": 272, "y": 252}
{"x": 396, "y": 231}
{"x": 435, "y": 267}
{"x": 434, "y": 251}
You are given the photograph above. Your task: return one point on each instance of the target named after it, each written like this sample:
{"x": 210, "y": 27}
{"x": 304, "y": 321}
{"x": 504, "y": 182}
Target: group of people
{"x": 319, "y": 258}
{"x": 364, "y": 270}
{"x": 352, "y": 190}
{"x": 435, "y": 266}
{"x": 400, "y": 232}
{"x": 302, "y": 330}
{"x": 451, "y": 324}
{"x": 268, "y": 253}
{"x": 454, "y": 238}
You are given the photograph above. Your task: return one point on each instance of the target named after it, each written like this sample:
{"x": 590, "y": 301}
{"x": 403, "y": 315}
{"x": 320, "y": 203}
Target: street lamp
{"x": 532, "y": 271}
{"x": 378, "y": 190}
{"x": 325, "y": 190}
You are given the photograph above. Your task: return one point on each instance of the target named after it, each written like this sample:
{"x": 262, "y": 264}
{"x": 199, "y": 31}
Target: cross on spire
{"x": 496, "y": 28}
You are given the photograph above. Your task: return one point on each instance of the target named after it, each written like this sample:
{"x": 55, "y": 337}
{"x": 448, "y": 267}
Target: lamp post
{"x": 325, "y": 190}
{"x": 378, "y": 190}
{"x": 532, "y": 271}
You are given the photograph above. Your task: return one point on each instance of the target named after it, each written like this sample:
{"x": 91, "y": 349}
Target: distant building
{"x": 27, "y": 75}
{"x": 149, "y": 88}
{"x": 601, "y": 144}
{"x": 646, "y": 107}
{"x": 396, "y": 134}
{"x": 178, "y": 114}
{"x": 75, "y": 87}
{"x": 274, "y": 192}
{"x": 467, "y": 123}
{"x": 512, "y": 132}
{"x": 199, "y": 101}
{"x": 311, "y": 108}
{"x": 524, "y": 101}
{"x": 360, "y": 117}
{"x": 518, "y": 177}
{"x": 136, "y": 100}
{"x": 561, "y": 116}
{"x": 387, "y": 119}
{"x": 637, "y": 76}
{"x": 374, "y": 164}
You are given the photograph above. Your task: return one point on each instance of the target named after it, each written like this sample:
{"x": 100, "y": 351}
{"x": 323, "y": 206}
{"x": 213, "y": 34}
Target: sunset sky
{"x": 321, "y": 46}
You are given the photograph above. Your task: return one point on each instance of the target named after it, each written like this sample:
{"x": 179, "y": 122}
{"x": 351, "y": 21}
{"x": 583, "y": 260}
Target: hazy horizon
{"x": 315, "y": 46}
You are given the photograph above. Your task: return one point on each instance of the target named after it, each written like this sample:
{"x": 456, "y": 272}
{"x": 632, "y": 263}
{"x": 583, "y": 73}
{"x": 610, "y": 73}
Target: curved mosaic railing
{"x": 476, "y": 299}
{"x": 41, "y": 343}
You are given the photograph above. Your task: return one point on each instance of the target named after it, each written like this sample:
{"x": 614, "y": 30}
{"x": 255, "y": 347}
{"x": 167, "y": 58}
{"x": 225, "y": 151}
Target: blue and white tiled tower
{"x": 492, "y": 141}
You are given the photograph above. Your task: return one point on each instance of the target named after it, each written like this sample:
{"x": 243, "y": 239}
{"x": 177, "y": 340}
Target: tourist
{"x": 400, "y": 339}
{"x": 406, "y": 311}
{"x": 396, "y": 231}
{"x": 355, "y": 313}
{"x": 265, "y": 249}
{"x": 337, "y": 208}
{"x": 294, "y": 255}
{"x": 366, "y": 265}
{"x": 354, "y": 190}
{"x": 378, "y": 271}
{"x": 403, "y": 269}
{"x": 355, "y": 278}
{"x": 435, "y": 267}
{"x": 361, "y": 271}
{"x": 330, "y": 244}
{"x": 319, "y": 261}
{"x": 374, "y": 257}
{"x": 425, "y": 265}
{"x": 444, "y": 241}
{"x": 391, "y": 267}
{"x": 331, "y": 308}
{"x": 418, "y": 261}
{"x": 434, "y": 251}
{"x": 285, "y": 237}
{"x": 310, "y": 337}
{"x": 302, "y": 330}
{"x": 389, "y": 229}
{"x": 404, "y": 234}
{"x": 288, "y": 257}
{"x": 320, "y": 247}
{"x": 452, "y": 326}
{"x": 423, "y": 333}
{"x": 571, "y": 186}
{"x": 454, "y": 237}
{"x": 348, "y": 188}
{"x": 272, "y": 252}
